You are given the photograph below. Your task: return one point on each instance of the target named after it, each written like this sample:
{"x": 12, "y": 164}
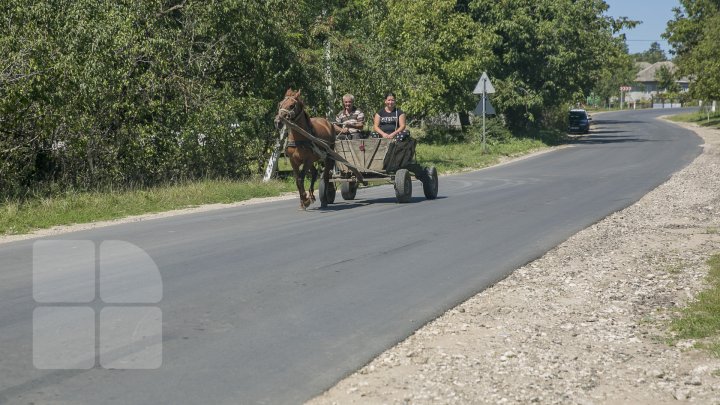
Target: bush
{"x": 555, "y": 118}
{"x": 101, "y": 95}
{"x": 495, "y": 131}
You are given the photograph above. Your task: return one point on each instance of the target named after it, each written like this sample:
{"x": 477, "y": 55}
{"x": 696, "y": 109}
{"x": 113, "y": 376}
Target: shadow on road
{"x": 599, "y": 140}
{"x": 613, "y": 122}
{"x": 342, "y": 205}
{"x": 593, "y": 132}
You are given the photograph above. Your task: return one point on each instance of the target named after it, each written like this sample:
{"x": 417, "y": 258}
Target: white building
{"x": 645, "y": 86}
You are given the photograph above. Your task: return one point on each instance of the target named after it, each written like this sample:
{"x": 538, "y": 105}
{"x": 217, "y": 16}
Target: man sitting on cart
{"x": 350, "y": 121}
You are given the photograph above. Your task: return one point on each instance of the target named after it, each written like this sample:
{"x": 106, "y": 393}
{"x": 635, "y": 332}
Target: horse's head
{"x": 289, "y": 108}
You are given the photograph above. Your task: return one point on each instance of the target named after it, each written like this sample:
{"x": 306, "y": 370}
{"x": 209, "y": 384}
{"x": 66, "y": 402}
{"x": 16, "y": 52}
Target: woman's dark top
{"x": 389, "y": 121}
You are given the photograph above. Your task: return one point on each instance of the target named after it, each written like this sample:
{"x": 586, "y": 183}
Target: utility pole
{"x": 328, "y": 71}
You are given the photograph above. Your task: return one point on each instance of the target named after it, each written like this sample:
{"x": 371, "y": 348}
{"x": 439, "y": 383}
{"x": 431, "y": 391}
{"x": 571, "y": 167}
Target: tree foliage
{"x": 549, "y": 52}
{"x": 654, "y": 54}
{"x": 694, "y": 36}
{"x": 138, "y": 92}
{"x": 619, "y": 70}
{"x": 141, "y": 92}
{"x": 667, "y": 80}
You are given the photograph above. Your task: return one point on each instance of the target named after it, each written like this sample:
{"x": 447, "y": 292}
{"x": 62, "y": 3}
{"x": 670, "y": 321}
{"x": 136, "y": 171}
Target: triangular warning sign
{"x": 483, "y": 85}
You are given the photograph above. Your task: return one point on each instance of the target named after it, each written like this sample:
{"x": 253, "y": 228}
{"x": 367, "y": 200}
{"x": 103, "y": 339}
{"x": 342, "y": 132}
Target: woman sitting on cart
{"x": 389, "y": 121}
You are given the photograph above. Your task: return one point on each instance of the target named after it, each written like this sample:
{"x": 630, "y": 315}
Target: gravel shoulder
{"x": 586, "y": 323}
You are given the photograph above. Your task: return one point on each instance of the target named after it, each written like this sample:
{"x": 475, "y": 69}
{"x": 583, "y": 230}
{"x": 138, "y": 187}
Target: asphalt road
{"x": 266, "y": 304}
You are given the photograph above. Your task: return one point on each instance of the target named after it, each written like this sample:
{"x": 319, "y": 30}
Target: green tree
{"x": 440, "y": 52}
{"x": 357, "y": 62}
{"x": 694, "y": 36}
{"x": 428, "y": 52}
{"x": 618, "y": 71}
{"x": 667, "y": 80}
{"x": 653, "y": 55}
{"x": 549, "y": 52}
{"x": 140, "y": 92}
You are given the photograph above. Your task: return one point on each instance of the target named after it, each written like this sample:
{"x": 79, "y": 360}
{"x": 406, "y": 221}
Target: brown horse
{"x": 300, "y": 150}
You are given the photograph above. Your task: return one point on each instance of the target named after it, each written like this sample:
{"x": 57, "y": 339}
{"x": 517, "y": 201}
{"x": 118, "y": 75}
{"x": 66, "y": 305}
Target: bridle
{"x": 290, "y": 115}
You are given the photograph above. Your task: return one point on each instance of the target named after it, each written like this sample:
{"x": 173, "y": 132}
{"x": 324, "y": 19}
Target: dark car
{"x": 578, "y": 122}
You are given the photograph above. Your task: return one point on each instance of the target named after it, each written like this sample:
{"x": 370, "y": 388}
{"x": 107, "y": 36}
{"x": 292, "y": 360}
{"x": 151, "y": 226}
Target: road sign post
{"x": 623, "y": 89}
{"x": 484, "y": 96}
{"x": 484, "y": 87}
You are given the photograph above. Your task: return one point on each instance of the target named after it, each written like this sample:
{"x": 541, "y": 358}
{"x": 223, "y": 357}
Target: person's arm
{"x": 401, "y": 124}
{"x": 355, "y": 124}
{"x": 400, "y": 127}
{"x": 360, "y": 122}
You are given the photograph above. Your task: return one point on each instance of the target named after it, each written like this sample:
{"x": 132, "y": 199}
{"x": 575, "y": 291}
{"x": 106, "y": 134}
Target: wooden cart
{"x": 363, "y": 161}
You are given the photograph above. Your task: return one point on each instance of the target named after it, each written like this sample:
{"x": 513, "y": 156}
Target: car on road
{"x": 578, "y": 121}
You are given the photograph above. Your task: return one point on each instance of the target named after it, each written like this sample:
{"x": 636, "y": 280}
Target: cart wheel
{"x": 430, "y": 185}
{"x": 403, "y": 186}
{"x": 348, "y": 190}
{"x": 327, "y": 193}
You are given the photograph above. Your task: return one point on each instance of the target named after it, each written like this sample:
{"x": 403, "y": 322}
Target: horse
{"x": 301, "y": 151}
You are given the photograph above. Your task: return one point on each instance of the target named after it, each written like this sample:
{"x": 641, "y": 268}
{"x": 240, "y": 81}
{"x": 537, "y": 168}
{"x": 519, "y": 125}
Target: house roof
{"x": 649, "y": 73}
{"x": 642, "y": 65}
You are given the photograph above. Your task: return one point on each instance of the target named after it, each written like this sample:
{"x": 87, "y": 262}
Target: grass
{"x": 19, "y": 217}
{"x": 701, "y": 319}
{"x": 700, "y": 118}
{"x": 457, "y": 157}
{"x": 76, "y": 207}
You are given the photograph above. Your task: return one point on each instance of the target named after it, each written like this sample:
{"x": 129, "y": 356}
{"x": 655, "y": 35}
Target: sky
{"x": 653, "y": 13}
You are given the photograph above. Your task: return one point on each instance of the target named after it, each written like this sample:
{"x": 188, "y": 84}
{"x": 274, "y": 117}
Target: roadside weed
{"x": 701, "y": 319}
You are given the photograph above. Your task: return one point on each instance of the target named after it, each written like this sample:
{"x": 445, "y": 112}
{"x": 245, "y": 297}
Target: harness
{"x": 298, "y": 144}
{"x": 307, "y": 143}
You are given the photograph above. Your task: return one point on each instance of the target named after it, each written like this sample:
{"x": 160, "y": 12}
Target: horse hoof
{"x": 307, "y": 203}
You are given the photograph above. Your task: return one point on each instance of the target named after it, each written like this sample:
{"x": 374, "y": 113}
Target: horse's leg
{"x": 313, "y": 178}
{"x": 306, "y": 199}
{"x": 299, "y": 176}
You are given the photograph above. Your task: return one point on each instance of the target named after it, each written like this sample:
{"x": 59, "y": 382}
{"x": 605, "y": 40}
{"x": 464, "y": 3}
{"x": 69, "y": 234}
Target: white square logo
{"x": 126, "y": 333}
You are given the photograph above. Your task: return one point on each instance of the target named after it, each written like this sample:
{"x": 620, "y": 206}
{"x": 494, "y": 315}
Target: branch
{"x": 13, "y": 149}
{"x": 173, "y": 8}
